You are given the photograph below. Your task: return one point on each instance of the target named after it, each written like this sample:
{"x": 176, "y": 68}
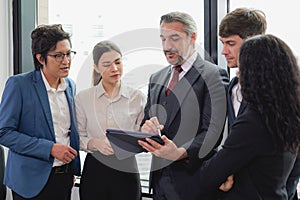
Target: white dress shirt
{"x": 186, "y": 66}
{"x": 236, "y": 97}
{"x": 60, "y": 113}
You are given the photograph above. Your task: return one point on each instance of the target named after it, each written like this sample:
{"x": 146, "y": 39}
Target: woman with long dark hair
{"x": 264, "y": 140}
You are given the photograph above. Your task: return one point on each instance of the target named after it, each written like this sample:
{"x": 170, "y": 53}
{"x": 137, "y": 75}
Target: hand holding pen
{"x": 152, "y": 126}
{"x": 158, "y": 130}
{"x": 158, "y": 126}
{"x": 168, "y": 149}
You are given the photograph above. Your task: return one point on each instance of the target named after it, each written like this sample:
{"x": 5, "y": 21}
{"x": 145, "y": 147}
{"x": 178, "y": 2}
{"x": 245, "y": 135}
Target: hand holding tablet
{"x": 125, "y": 143}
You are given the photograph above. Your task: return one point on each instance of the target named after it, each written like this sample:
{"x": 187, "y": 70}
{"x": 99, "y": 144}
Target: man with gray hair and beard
{"x": 187, "y": 104}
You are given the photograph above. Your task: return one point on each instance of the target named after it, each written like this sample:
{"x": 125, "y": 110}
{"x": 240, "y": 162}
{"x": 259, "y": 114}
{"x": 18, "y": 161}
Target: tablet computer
{"x": 125, "y": 143}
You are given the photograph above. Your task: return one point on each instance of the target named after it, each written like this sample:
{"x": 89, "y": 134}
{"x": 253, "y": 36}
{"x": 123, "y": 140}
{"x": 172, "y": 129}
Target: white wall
{"x": 6, "y": 49}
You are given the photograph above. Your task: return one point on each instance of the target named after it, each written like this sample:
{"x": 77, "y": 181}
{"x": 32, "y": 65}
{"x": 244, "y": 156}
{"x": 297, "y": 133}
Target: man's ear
{"x": 40, "y": 58}
{"x": 194, "y": 36}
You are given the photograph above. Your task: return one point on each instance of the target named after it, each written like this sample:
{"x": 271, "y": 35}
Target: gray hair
{"x": 184, "y": 18}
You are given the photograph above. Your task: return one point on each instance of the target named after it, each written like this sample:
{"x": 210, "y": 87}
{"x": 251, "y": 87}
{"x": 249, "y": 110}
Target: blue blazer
{"x": 26, "y": 128}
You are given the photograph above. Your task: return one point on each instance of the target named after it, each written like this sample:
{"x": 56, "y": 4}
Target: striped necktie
{"x": 175, "y": 78}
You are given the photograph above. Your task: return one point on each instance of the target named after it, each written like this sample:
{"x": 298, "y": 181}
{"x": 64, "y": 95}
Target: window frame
{"x": 25, "y": 20}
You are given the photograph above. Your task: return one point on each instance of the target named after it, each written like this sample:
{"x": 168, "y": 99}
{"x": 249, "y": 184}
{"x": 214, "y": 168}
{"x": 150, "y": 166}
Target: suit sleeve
{"x": 147, "y": 106}
{"x": 213, "y": 110}
{"x": 240, "y": 148}
{"x": 11, "y": 108}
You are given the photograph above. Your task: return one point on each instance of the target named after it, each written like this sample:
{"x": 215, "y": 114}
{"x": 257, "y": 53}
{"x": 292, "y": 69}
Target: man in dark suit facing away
{"x": 189, "y": 114}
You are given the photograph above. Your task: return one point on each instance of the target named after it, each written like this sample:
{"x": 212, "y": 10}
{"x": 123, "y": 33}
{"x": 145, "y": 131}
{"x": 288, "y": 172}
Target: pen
{"x": 158, "y": 130}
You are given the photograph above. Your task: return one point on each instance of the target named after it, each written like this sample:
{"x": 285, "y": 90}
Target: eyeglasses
{"x": 59, "y": 57}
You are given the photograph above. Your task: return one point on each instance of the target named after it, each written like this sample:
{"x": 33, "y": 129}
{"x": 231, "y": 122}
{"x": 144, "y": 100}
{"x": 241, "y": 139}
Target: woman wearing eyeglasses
{"x": 110, "y": 103}
{"x": 37, "y": 121}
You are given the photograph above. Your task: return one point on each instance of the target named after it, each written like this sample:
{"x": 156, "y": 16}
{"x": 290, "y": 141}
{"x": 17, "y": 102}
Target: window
{"x": 133, "y": 25}
{"x": 276, "y": 17}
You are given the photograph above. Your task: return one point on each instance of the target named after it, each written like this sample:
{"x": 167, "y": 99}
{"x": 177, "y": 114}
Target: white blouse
{"x": 96, "y": 111}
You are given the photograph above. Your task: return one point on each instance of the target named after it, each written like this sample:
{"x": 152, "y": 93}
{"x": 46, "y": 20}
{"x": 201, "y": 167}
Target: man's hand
{"x": 151, "y": 126}
{"x": 102, "y": 145}
{"x": 225, "y": 187}
{"x": 63, "y": 153}
{"x": 168, "y": 151}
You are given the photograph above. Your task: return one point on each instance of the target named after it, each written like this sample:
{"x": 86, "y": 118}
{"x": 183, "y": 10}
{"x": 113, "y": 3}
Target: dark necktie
{"x": 175, "y": 78}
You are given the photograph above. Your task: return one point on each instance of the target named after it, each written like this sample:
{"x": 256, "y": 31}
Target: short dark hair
{"x": 243, "y": 22}
{"x": 44, "y": 38}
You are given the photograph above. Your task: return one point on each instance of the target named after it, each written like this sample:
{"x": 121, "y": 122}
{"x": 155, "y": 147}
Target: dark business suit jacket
{"x": 248, "y": 153}
{"x": 26, "y": 128}
{"x": 186, "y": 113}
{"x": 293, "y": 178}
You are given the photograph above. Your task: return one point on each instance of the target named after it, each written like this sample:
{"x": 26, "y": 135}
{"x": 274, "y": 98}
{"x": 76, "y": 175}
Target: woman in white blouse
{"x": 108, "y": 104}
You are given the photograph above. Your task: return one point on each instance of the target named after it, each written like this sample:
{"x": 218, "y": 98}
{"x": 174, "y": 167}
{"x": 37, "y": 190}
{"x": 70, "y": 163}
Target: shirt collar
{"x": 61, "y": 87}
{"x": 124, "y": 91}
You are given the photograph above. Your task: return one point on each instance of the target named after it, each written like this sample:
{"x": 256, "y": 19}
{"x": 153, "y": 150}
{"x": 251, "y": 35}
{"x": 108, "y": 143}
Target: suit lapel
{"x": 231, "y": 115}
{"x": 68, "y": 93}
{"x": 160, "y": 84}
{"x": 69, "y": 96}
{"x": 185, "y": 85}
{"x": 242, "y": 107}
{"x": 74, "y": 138}
{"x": 43, "y": 97}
